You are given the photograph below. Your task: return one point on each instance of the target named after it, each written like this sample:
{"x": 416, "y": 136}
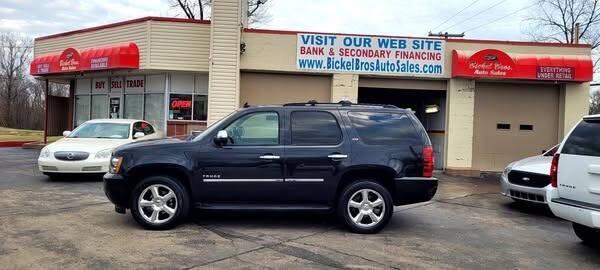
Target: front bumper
{"x": 117, "y": 189}
{"x": 572, "y": 211}
{"x": 90, "y": 165}
{"x": 409, "y": 190}
{"x": 531, "y": 194}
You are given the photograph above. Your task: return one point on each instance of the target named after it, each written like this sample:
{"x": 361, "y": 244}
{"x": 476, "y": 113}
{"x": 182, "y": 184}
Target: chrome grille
{"x": 528, "y": 179}
{"x": 71, "y": 155}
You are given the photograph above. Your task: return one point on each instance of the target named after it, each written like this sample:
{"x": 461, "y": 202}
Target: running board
{"x": 265, "y": 207}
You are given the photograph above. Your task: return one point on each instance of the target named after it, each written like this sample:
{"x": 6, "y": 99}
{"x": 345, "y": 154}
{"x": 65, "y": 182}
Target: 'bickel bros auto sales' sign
{"x": 366, "y": 54}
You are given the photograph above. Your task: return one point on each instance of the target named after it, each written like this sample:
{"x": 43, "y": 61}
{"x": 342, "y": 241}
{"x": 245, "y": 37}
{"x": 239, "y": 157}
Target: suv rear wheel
{"x": 159, "y": 203}
{"x": 365, "y": 206}
{"x": 586, "y": 234}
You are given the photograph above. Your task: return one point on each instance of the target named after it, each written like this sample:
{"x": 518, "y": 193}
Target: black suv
{"x": 358, "y": 159}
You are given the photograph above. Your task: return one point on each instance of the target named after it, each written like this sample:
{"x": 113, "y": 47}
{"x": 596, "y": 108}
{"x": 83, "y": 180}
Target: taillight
{"x": 428, "y": 161}
{"x": 554, "y": 170}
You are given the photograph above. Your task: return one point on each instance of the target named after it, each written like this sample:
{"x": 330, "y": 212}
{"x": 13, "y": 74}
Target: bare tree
{"x": 557, "y": 20}
{"x": 200, "y": 9}
{"x": 595, "y": 103}
{"x": 15, "y": 52}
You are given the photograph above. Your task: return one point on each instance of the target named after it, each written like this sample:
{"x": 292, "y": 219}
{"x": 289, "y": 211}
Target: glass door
{"x": 114, "y": 106}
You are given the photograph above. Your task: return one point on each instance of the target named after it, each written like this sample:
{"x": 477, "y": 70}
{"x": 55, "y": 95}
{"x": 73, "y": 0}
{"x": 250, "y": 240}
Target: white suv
{"x": 575, "y": 180}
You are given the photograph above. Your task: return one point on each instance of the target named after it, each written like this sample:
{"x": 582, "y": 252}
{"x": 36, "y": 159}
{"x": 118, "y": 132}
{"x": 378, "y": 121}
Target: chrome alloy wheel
{"x": 366, "y": 208}
{"x": 157, "y": 204}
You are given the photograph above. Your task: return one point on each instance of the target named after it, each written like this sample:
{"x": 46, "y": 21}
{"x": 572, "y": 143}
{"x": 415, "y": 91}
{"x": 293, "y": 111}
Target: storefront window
{"x": 99, "y": 106}
{"x": 134, "y": 106}
{"x": 82, "y": 109}
{"x": 200, "y": 107}
{"x": 154, "y": 109}
{"x": 180, "y": 107}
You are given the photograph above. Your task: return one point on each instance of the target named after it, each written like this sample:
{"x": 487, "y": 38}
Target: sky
{"x": 482, "y": 19}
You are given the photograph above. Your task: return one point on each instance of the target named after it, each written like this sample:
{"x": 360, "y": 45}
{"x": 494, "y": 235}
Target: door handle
{"x": 337, "y": 156}
{"x": 269, "y": 157}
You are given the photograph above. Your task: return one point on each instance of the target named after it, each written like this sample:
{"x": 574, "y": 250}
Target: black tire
{"x": 586, "y": 234}
{"x": 182, "y": 202}
{"x": 53, "y": 176}
{"x": 344, "y": 213}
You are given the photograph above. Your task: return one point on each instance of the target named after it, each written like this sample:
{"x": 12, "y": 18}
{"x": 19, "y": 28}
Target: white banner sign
{"x": 374, "y": 55}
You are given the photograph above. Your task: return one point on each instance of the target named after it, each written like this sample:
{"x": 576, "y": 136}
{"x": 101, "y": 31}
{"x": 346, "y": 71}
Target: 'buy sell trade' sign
{"x": 375, "y": 55}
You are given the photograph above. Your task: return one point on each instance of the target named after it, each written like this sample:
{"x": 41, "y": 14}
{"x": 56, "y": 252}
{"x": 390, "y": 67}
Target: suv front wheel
{"x": 365, "y": 206}
{"x": 159, "y": 203}
{"x": 586, "y": 234}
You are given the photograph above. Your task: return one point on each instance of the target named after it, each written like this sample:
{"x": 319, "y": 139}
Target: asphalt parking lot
{"x": 71, "y": 225}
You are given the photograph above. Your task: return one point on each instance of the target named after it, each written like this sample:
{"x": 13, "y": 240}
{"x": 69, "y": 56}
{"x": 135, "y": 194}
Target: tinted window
{"x": 143, "y": 127}
{"x": 584, "y": 140}
{"x": 315, "y": 128}
{"x": 261, "y": 128}
{"x": 384, "y": 128}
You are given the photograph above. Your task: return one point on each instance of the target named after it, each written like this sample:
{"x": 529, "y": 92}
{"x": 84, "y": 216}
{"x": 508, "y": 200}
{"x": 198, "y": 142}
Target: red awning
{"x": 118, "y": 56}
{"x": 496, "y": 64}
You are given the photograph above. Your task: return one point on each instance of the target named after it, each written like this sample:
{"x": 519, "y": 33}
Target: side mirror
{"x": 138, "y": 135}
{"x": 221, "y": 138}
{"x": 66, "y": 133}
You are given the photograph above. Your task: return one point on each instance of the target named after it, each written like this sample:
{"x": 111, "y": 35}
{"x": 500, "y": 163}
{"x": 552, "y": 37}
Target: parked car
{"x": 575, "y": 177}
{"x": 359, "y": 160}
{"x": 525, "y": 180}
{"x": 88, "y": 148}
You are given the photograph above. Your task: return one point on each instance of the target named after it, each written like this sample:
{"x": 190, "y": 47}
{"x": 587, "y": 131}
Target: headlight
{"x": 104, "y": 154}
{"x": 45, "y": 153}
{"x": 115, "y": 164}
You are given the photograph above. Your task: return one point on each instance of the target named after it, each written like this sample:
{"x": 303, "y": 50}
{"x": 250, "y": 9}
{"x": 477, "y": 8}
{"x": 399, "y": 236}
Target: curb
{"x": 14, "y": 143}
{"x": 33, "y": 145}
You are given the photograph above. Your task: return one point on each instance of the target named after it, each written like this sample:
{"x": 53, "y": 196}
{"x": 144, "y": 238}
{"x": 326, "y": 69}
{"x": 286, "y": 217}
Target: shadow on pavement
{"x": 263, "y": 219}
{"x": 71, "y": 178}
{"x": 529, "y": 208}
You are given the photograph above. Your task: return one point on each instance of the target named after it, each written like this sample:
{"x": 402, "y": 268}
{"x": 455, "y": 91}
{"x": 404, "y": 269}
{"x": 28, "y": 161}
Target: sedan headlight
{"x": 115, "y": 165}
{"x": 104, "y": 154}
{"x": 45, "y": 153}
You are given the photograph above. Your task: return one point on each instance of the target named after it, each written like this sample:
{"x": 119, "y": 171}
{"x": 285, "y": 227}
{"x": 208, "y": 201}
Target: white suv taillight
{"x": 428, "y": 161}
{"x": 554, "y": 170}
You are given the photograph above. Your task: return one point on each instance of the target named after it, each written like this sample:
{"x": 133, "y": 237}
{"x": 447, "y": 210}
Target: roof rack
{"x": 343, "y": 103}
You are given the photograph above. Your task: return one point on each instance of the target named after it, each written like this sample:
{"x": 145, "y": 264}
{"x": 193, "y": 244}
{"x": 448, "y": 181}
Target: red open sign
{"x": 181, "y": 104}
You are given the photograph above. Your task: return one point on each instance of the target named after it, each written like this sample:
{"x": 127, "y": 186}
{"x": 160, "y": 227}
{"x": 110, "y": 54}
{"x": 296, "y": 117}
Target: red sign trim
{"x": 496, "y": 64}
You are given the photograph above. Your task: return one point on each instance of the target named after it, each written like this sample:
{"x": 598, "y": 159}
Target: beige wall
{"x": 264, "y": 88}
{"x": 460, "y": 104}
{"x": 514, "y": 104}
{"x": 575, "y": 101}
{"x": 179, "y": 46}
{"x": 277, "y": 51}
{"x": 344, "y": 87}
{"x": 163, "y": 45}
{"x": 265, "y": 51}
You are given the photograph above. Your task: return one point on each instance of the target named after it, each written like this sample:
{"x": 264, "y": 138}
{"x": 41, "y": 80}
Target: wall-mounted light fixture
{"x": 432, "y": 108}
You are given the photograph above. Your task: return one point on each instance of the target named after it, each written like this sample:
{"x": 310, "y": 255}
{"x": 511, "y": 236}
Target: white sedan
{"x": 527, "y": 179}
{"x": 88, "y": 148}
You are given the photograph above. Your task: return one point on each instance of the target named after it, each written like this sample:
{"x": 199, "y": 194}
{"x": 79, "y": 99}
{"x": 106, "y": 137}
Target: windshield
{"x": 212, "y": 127}
{"x": 101, "y": 131}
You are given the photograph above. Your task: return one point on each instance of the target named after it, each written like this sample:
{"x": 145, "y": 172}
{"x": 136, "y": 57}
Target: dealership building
{"x": 484, "y": 103}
